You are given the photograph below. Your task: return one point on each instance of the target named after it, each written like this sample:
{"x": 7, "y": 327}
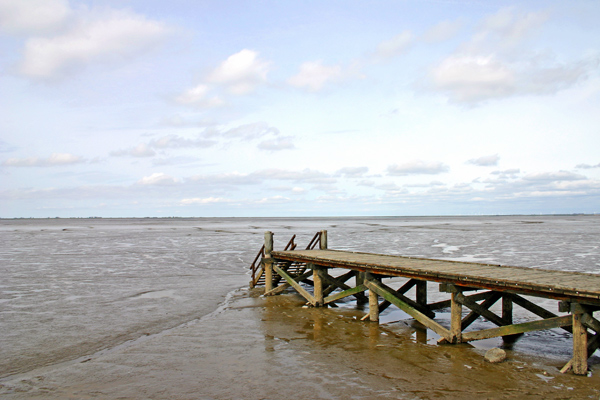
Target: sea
{"x": 160, "y": 308}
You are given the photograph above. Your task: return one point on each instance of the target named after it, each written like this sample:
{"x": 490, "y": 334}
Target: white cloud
{"x": 485, "y": 161}
{"x": 175, "y": 142}
{"x": 442, "y": 31}
{"x": 511, "y": 25}
{"x": 95, "y": 37}
{"x": 241, "y": 73}
{"x": 474, "y": 78}
{"x": 394, "y": 46}
{"x": 31, "y": 17}
{"x": 553, "y": 176}
{"x": 141, "y": 150}
{"x": 279, "y": 143}
{"x": 494, "y": 64}
{"x": 417, "y": 167}
{"x": 314, "y": 75}
{"x": 199, "y": 96}
{"x": 353, "y": 172}
{"x": 55, "y": 159}
{"x": 158, "y": 179}
{"x": 587, "y": 166}
{"x": 206, "y": 200}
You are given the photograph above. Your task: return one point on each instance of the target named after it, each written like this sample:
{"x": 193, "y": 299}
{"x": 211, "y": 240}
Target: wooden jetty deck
{"x": 578, "y": 294}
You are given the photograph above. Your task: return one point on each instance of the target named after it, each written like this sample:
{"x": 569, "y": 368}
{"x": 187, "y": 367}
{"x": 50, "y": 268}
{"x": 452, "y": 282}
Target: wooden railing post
{"x": 323, "y": 241}
{"x": 268, "y": 261}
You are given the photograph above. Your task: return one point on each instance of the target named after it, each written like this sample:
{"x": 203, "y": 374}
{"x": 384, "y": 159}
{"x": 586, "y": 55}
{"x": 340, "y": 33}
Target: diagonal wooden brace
{"x": 286, "y": 285}
{"x": 389, "y": 295}
{"x": 295, "y": 285}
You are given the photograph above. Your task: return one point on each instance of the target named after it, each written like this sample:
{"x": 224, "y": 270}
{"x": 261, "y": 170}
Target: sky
{"x": 147, "y": 108}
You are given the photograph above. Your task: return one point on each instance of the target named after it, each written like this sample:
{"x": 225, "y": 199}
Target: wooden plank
{"x": 446, "y": 303}
{"x": 295, "y": 285}
{"x": 345, "y": 293}
{"x": 403, "y": 289}
{"x": 481, "y": 309}
{"x": 553, "y": 284}
{"x": 423, "y": 309}
{"x": 506, "y": 330}
{"x": 283, "y": 286}
{"x": 491, "y": 299}
{"x": 422, "y": 318}
{"x": 343, "y": 278}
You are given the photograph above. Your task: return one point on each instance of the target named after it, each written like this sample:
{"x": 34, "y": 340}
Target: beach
{"x": 160, "y": 308}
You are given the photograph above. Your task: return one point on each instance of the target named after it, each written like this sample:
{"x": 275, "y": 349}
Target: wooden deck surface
{"x": 561, "y": 285}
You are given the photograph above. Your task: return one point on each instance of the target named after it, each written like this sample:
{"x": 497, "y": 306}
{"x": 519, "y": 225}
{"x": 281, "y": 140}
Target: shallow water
{"x": 138, "y": 308}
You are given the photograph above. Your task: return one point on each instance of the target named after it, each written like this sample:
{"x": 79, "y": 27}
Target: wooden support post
{"x": 318, "y": 272}
{"x": 323, "y": 241}
{"x": 580, "y": 353}
{"x": 507, "y": 310}
{"x": 268, "y": 261}
{"x": 455, "y": 318}
{"x": 373, "y": 300}
{"x": 422, "y": 293}
{"x": 360, "y": 280}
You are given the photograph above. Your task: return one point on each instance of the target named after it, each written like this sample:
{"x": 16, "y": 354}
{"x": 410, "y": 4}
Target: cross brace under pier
{"x": 487, "y": 284}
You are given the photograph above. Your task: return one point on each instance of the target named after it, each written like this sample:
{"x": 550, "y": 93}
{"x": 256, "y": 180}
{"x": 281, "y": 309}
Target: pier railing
{"x": 257, "y": 267}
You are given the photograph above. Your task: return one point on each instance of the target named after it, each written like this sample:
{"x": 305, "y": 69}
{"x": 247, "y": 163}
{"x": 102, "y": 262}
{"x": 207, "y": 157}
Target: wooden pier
{"x": 470, "y": 285}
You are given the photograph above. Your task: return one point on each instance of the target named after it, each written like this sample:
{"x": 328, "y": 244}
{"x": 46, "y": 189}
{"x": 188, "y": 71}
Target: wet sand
{"x": 139, "y": 309}
{"x": 272, "y": 348}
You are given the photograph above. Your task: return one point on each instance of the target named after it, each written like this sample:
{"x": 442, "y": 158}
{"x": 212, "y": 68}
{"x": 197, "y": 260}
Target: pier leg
{"x": 373, "y": 301}
{"x": 360, "y": 279}
{"x": 268, "y": 261}
{"x": 318, "y": 272}
{"x": 422, "y": 293}
{"x": 507, "y": 310}
{"x": 455, "y": 318}
{"x": 580, "y": 354}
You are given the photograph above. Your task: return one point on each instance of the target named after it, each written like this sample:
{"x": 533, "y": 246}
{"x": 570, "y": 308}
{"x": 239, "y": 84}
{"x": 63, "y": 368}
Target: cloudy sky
{"x": 298, "y": 108}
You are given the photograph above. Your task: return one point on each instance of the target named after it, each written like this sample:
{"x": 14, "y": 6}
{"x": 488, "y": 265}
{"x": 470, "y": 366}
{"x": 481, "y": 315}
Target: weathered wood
{"x": 507, "y": 310}
{"x": 593, "y": 345}
{"x": 446, "y": 303}
{"x": 589, "y": 321}
{"x": 421, "y": 293}
{"x": 268, "y": 244}
{"x": 580, "y": 354}
{"x": 422, "y": 308}
{"x": 318, "y": 273}
{"x": 581, "y": 287}
{"x": 456, "y": 317}
{"x": 345, "y": 293}
{"x": 506, "y": 330}
{"x": 296, "y": 285}
{"x": 281, "y": 288}
{"x": 373, "y": 299}
{"x": 323, "y": 240}
{"x": 416, "y": 314}
{"x": 403, "y": 289}
{"x": 332, "y": 286}
{"x": 483, "y": 308}
{"x": 268, "y": 267}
